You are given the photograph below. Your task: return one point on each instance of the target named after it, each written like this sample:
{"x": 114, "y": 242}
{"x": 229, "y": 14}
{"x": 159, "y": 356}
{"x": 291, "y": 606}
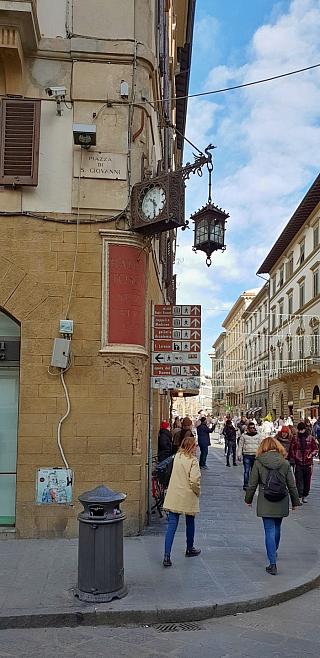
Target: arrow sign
{"x": 195, "y": 347}
{"x": 195, "y": 322}
{"x": 195, "y": 310}
{"x": 195, "y": 334}
{"x": 159, "y": 358}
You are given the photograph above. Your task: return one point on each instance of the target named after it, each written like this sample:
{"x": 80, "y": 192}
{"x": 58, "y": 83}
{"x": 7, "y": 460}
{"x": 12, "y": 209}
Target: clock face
{"x": 153, "y": 202}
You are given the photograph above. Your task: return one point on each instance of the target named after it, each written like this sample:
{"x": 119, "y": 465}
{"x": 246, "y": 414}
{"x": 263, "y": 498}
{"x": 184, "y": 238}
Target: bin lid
{"x": 102, "y": 494}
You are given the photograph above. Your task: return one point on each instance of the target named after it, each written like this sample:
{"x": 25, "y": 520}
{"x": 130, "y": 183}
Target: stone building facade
{"x": 256, "y": 354}
{"x": 67, "y": 251}
{"x": 218, "y": 376}
{"x": 234, "y": 354}
{"x": 293, "y": 264}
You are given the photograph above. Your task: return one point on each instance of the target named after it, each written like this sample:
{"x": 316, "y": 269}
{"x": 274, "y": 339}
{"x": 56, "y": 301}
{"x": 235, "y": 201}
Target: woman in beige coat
{"x": 183, "y": 496}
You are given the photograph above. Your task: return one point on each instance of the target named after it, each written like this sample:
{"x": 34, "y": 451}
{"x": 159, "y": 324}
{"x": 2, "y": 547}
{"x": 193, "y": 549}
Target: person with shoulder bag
{"x": 182, "y": 496}
{"x": 273, "y": 474}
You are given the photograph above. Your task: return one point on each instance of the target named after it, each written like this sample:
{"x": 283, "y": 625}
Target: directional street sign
{"x": 176, "y": 346}
{"x": 183, "y": 383}
{"x": 176, "y": 357}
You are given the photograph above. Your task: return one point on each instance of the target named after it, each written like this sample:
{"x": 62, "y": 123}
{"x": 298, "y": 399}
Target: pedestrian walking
{"x": 164, "y": 442}
{"x": 178, "y": 436}
{"x": 267, "y": 428}
{"x": 284, "y": 436}
{"x": 270, "y": 460}
{"x": 231, "y": 440}
{"x": 247, "y": 448}
{"x": 182, "y": 497}
{"x": 220, "y": 425}
{"x": 204, "y": 432}
{"x": 316, "y": 433}
{"x": 302, "y": 450}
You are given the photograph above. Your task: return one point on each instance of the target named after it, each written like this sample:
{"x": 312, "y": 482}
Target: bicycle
{"x": 158, "y": 493}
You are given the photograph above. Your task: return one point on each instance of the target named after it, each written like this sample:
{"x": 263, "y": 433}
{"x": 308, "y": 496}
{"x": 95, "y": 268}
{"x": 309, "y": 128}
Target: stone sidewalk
{"x": 37, "y": 577}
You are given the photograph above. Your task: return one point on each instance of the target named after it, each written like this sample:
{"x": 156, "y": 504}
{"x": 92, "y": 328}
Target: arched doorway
{"x": 9, "y": 395}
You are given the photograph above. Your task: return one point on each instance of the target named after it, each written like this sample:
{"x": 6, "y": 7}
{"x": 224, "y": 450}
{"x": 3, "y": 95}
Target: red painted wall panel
{"x": 127, "y": 292}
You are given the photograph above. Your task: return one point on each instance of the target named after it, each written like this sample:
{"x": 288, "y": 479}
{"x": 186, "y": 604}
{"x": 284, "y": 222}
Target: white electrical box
{"x": 61, "y": 351}
{"x": 124, "y": 89}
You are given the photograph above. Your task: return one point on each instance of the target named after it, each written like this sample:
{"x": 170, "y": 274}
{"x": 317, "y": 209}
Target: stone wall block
{"x": 101, "y": 445}
{"x": 9, "y": 283}
{"x": 119, "y": 458}
{"x": 32, "y": 429}
{"x": 132, "y": 472}
{"x": 48, "y": 310}
{"x": 29, "y": 445}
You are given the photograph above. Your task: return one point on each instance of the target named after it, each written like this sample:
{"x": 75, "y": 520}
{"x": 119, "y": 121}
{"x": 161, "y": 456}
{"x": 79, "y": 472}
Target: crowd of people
{"x": 277, "y": 459}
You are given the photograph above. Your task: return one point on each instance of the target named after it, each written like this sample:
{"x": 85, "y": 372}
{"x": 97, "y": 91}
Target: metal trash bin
{"x": 100, "y": 558}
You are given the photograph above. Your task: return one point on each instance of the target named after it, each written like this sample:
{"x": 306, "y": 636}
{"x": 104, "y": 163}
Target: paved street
{"x": 37, "y": 578}
{"x": 289, "y": 629}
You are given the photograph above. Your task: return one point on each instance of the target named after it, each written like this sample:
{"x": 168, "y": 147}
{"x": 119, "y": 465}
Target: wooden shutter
{"x": 19, "y": 150}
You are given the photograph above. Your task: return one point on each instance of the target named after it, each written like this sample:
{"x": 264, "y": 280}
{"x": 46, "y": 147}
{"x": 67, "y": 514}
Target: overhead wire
{"x": 245, "y": 84}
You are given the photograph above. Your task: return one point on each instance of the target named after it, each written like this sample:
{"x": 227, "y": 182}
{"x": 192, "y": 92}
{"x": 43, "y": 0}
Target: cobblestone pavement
{"x": 37, "y": 577}
{"x": 289, "y": 629}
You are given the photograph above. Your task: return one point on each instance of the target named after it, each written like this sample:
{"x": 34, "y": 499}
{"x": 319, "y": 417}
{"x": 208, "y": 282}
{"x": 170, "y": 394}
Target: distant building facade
{"x": 234, "y": 353}
{"x": 293, "y": 265}
{"x": 218, "y": 375}
{"x": 256, "y": 354}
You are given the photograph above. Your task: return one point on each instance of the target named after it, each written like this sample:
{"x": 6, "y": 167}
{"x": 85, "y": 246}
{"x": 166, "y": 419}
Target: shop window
{"x": 301, "y": 295}
{"x": 315, "y": 283}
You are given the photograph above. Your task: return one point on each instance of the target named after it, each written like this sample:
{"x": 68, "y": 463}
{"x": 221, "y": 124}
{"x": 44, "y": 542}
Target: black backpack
{"x": 164, "y": 470}
{"x": 275, "y": 488}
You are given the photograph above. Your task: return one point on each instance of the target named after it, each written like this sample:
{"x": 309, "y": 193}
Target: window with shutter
{"x": 19, "y": 150}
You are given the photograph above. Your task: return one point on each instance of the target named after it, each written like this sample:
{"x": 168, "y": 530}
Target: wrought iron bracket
{"x": 199, "y": 162}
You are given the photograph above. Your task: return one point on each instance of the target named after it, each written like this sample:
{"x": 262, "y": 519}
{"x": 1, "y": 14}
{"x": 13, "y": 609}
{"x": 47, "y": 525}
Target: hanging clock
{"x": 157, "y": 205}
{"x": 152, "y": 201}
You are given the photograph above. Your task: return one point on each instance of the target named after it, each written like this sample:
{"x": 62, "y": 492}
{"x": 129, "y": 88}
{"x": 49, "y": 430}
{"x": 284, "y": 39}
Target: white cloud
{"x": 268, "y": 139}
{"x": 206, "y": 34}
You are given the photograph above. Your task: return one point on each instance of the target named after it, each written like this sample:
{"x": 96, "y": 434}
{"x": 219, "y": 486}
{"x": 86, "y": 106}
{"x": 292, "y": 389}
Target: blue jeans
{"x": 272, "y": 529}
{"x": 203, "y": 455}
{"x": 248, "y": 461}
{"x": 171, "y": 531}
{"x": 232, "y": 449}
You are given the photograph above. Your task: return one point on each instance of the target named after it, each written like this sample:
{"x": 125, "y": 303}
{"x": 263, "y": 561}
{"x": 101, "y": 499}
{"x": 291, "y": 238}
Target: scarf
{"x": 303, "y": 441}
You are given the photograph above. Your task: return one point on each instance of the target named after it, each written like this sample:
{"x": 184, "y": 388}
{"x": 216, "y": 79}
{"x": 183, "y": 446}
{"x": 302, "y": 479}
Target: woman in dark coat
{"x": 231, "y": 442}
{"x": 164, "y": 442}
{"x": 271, "y": 455}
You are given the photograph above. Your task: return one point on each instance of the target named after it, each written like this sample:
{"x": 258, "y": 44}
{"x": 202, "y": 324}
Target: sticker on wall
{"x": 54, "y": 485}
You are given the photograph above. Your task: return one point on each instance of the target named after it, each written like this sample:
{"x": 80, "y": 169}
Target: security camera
{"x": 57, "y": 92}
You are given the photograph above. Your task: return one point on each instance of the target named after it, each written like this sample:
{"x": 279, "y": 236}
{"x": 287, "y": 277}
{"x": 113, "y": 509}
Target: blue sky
{"x": 267, "y": 138}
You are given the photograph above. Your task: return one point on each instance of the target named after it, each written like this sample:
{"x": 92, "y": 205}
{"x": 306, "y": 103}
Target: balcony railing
{"x": 300, "y": 365}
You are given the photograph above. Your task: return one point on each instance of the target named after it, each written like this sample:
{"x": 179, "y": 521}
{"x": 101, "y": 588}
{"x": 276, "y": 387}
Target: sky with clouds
{"x": 267, "y": 138}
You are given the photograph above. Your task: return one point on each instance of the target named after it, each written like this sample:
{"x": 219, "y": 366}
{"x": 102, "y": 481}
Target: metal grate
{"x": 176, "y": 628}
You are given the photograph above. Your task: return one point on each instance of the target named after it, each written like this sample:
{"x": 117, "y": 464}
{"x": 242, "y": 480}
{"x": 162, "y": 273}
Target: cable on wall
{"x": 77, "y": 241}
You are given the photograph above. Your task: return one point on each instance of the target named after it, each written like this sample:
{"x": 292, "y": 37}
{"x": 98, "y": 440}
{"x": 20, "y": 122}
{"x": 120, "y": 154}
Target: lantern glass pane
{"x": 216, "y": 233}
{"x": 202, "y": 232}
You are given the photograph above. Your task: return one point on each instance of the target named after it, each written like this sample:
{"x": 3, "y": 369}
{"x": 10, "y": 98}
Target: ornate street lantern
{"x": 209, "y": 226}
